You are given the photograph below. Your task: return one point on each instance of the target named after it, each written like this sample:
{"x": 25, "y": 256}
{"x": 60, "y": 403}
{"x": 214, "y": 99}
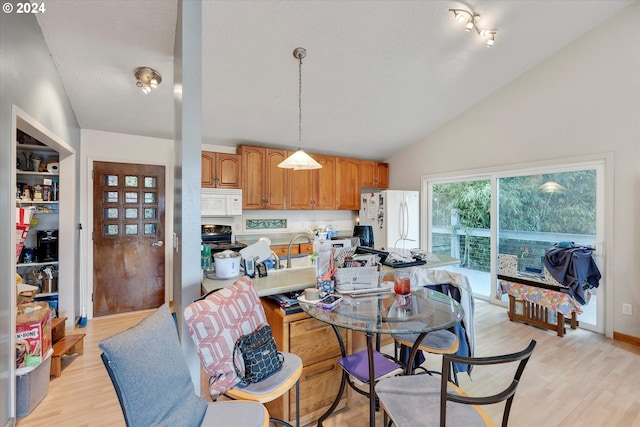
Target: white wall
{"x": 116, "y": 147}
{"x": 28, "y": 80}
{"x": 583, "y": 100}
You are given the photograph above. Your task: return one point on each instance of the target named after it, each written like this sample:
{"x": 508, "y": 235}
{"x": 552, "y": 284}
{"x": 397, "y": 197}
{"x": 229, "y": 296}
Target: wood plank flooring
{"x": 582, "y": 379}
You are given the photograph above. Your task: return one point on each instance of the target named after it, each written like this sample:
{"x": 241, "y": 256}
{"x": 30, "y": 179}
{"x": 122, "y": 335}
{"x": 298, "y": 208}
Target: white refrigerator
{"x": 394, "y": 216}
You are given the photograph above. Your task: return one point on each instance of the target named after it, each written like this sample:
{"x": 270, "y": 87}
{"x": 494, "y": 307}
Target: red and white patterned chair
{"x": 215, "y": 323}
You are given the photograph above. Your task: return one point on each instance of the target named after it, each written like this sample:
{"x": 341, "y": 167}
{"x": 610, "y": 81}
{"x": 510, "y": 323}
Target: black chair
{"x": 415, "y": 400}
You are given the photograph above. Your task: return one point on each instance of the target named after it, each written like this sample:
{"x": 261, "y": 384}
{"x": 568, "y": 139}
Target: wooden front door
{"x": 128, "y": 237}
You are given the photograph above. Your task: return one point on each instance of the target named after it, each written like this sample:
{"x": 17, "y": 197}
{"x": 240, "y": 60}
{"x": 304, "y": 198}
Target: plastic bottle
{"x": 324, "y": 256}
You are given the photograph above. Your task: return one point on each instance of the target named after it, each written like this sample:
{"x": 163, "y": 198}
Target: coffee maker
{"x": 365, "y": 234}
{"x": 47, "y": 245}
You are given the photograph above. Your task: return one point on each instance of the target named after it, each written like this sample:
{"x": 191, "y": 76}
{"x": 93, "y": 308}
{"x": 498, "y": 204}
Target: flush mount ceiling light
{"x": 299, "y": 160}
{"x": 470, "y": 21}
{"x": 147, "y": 79}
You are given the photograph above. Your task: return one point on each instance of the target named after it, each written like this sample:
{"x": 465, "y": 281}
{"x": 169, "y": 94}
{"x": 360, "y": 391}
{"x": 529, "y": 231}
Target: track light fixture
{"x": 470, "y": 21}
{"x": 147, "y": 79}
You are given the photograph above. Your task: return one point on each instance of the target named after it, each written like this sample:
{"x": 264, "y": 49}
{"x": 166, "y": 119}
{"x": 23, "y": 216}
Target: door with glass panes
{"x": 128, "y": 237}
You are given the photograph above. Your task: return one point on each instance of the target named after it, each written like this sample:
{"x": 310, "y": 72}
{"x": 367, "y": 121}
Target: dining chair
{"x": 437, "y": 342}
{"x": 153, "y": 384}
{"x": 215, "y": 322}
{"x": 460, "y": 339}
{"x": 410, "y": 400}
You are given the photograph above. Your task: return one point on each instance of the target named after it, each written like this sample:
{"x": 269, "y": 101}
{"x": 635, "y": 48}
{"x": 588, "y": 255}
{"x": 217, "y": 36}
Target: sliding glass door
{"x": 460, "y": 226}
{"x": 533, "y": 208}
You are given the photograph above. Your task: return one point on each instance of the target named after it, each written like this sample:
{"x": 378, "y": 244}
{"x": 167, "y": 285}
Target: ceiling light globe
{"x": 490, "y": 42}
{"x": 469, "y": 26}
{"x": 459, "y": 17}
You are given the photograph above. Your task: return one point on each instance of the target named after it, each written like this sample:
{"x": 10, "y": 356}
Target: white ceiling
{"x": 378, "y": 76}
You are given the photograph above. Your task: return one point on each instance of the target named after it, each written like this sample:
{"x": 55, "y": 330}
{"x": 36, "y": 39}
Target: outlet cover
{"x": 627, "y": 309}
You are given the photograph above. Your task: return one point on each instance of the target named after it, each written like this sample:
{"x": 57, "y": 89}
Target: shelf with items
{"x": 36, "y": 264}
{"x": 32, "y": 156}
{"x": 37, "y": 188}
{"x": 32, "y": 173}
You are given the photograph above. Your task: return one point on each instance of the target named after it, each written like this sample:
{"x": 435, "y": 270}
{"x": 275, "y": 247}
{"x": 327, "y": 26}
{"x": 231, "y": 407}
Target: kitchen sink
{"x": 297, "y": 261}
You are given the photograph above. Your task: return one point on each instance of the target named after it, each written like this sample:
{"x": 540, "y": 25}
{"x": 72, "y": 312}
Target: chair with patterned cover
{"x": 215, "y": 323}
{"x": 424, "y": 400}
{"x": 152, "y": 381}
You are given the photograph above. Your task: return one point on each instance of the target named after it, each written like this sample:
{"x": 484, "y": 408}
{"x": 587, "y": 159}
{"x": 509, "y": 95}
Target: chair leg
{"x": 284, "y": 423}
{"x": 298, "y": 403}
{"x": 279, "y": 422}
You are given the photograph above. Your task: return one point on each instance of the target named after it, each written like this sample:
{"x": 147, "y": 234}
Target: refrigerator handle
{"x": 404, "y": 218}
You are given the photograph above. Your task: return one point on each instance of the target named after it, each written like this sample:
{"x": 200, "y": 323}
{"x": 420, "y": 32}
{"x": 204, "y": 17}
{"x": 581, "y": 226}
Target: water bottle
{"x": 324, "y": 256}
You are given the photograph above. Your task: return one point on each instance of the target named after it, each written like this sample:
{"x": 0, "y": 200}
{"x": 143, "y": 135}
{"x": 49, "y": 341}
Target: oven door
{"x": 221, "y": 202}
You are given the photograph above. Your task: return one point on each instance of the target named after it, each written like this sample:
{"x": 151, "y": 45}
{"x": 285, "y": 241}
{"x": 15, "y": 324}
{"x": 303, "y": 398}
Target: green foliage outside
{"x": 563, "y": 202}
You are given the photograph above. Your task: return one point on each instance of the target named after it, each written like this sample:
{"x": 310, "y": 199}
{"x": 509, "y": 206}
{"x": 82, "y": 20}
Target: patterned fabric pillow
{"x": 215, "y": 324}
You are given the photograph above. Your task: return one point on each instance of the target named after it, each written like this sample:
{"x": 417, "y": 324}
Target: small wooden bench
{"x": 63, "y": 345}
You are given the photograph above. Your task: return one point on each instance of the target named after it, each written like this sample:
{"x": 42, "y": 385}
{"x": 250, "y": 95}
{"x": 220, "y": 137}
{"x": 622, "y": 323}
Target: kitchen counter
{"x": 297, "y": 279}
{"x": 277, "y": 282}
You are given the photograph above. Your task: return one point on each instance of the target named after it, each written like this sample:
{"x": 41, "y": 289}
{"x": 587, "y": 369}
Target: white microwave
{"x": 221, "y": 202}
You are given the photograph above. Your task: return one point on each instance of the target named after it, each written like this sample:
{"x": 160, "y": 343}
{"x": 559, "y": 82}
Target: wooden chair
{"x": 152, "y": 381}
{"x": 215, "y": 323}
{"x": 429, "y": 401}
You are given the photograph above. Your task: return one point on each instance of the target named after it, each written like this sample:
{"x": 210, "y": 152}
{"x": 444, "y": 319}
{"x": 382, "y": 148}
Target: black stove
{"x": 219, "y": 238}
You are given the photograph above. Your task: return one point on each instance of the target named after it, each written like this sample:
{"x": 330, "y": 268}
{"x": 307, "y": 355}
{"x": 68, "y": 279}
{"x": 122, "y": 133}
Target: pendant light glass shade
{"x": 299, "y": 160}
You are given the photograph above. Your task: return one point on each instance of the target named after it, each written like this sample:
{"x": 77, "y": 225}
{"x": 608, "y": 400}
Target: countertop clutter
{"x": 297, "y": 279}
{"x": 277, "y": 281}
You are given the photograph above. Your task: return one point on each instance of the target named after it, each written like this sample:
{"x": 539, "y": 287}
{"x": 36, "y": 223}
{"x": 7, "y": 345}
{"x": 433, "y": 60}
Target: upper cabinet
{"x": 264, "y": 184}
{"x": 313, "y": 189}
{"x": 221, "y": 170}
{"x": 336, "y": 186}
{"x": 374, "y": 174}
{"x": 347, "y": 183}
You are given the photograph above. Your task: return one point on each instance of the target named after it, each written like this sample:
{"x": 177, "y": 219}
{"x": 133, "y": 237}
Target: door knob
{"x": 158, "y": 244}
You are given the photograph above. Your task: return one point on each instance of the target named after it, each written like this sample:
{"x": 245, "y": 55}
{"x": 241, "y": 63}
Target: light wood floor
{"x": 582, "y": 379}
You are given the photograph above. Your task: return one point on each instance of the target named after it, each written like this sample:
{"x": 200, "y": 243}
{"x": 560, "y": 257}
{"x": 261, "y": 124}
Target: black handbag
{"x": 260, "y": 354}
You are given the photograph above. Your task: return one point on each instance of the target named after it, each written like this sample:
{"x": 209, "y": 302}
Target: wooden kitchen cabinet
{"x": 281, "y": 250}
{"x": 296, "y": 248}
{"x": 264, "y": 184}
{"x": 313, "y": 189}
{"x": 348, "y": 183}
{"x": 316, "y": 344}
{"x": 221, "y": 170}
{"x": 306, "y": 248}
{"x": 374, "y": 174}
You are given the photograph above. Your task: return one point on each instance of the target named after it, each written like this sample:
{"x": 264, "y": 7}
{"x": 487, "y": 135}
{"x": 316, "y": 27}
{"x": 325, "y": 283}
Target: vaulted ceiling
{"x": 378, "y": 76}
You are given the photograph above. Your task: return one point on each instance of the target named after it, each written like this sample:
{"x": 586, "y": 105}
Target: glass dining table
{"x": 421, "y": 312}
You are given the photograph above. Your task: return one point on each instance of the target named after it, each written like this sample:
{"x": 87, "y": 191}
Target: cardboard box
{"x": 33, "y": 333}
{"x": 32, "y": 385}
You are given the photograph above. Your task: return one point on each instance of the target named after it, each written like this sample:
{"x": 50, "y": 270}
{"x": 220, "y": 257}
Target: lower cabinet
{"x": 317, "y": 345}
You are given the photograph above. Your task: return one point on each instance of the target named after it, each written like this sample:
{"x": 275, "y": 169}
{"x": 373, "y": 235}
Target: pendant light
{"x": 299, "y": 160}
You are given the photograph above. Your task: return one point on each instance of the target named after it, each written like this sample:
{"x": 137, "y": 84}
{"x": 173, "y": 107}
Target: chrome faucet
{"x": 291, "y": 244}
{"x": 276, "y": 258}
